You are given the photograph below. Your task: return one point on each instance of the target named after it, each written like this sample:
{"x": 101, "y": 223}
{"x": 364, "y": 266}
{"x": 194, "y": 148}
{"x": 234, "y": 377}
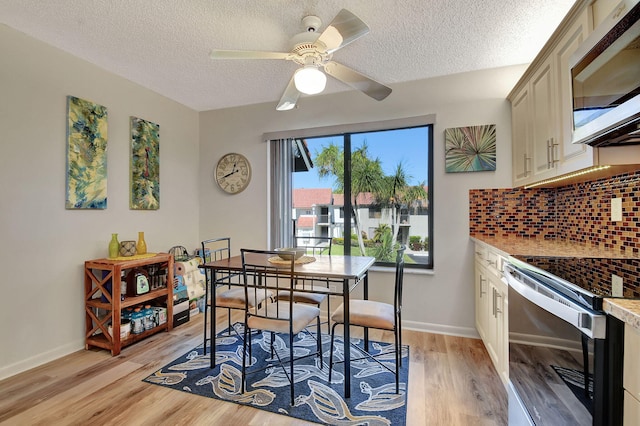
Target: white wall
{"x": 442, "y": 301}
{"x": 42, "y": 245}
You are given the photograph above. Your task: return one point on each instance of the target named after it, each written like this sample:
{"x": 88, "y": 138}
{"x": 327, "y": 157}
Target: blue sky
{"x": 408, "y": 146}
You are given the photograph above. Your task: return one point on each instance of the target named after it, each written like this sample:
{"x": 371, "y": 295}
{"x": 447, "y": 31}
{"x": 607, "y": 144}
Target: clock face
{"x": 233, "y": 173}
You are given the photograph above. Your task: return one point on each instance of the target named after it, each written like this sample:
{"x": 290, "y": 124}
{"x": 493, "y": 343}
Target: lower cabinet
{"x": 631, "y": 376}
{"x": 492, "y": 307}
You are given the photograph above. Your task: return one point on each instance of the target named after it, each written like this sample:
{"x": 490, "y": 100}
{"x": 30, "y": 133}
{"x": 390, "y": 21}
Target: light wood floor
{"x": 451, "y": 382}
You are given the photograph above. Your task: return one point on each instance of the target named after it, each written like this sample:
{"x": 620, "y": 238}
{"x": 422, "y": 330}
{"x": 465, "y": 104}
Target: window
{"x": 374, "y": 187}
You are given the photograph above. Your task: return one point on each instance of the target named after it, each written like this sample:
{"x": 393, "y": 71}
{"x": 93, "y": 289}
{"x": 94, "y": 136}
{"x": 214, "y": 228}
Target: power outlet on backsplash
{"x": 616, "y": 209}
{"x": 616, "y": 286}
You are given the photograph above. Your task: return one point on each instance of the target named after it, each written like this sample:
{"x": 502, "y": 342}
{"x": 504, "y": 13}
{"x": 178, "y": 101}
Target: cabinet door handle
{"x": 548, "y": 156}
{"x": 482, "y": 280}
{"x": 494, "y": 307}
{"x": 554, "y": 146}
{"x": 498, "y": 310}
{"x": 526, "y": 171}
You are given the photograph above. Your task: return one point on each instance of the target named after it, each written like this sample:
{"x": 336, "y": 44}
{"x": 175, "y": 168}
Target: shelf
{"x": 137, "y": 300}
{"x": 100, "y": 340}
{"x": 102, "y": 275}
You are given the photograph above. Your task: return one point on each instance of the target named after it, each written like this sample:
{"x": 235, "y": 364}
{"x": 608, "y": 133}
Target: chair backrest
{"x": 263, "y": 278}
{"x": 399, "y": 278}
{"x": 213, "y": 250}
{"x": 314, "y": 245}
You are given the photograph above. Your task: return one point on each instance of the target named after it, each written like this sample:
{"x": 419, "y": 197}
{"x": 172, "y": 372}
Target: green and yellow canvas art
{"x": 470, "y": 149}
{"x": 86, "y": 155}
{"x": 145, "y": 165}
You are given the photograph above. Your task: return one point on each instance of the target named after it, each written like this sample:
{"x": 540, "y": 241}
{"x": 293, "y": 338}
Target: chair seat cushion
{"x": 317, "y": 297}
{"x": 367, "y": 313}
{"x": 234, "y": 298}
{"x": 278, "y": 317}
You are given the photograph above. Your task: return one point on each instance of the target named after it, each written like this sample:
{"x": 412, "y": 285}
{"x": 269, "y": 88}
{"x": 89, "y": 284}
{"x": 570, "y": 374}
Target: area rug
{"x": 373, "y": 399}
{"x": 574, "y": 379}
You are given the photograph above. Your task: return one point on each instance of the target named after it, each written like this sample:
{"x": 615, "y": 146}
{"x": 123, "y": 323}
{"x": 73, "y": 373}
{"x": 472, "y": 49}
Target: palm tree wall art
{"x": 470, "y": 149}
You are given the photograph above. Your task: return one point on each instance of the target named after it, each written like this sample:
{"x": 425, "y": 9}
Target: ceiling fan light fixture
{"x": 310, "y": 80}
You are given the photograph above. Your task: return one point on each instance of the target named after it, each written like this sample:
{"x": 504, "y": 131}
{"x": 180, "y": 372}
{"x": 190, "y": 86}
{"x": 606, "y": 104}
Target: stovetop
{"x": 593, "y": 275}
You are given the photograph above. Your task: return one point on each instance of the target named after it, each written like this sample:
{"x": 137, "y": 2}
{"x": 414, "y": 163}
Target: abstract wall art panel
{"x": 86, "y": 155}
{"x": 470, "y": 149}
{"x": 145, "y": 165}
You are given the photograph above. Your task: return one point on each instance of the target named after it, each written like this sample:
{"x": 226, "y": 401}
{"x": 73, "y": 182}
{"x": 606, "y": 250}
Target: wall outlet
{"x": 616, "y": 286}
{"x": 616, "y": 209}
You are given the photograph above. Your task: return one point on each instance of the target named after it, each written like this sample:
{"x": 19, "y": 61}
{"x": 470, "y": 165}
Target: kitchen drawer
{"x": 489, "y": 258}
{"x": 481, "y": 253}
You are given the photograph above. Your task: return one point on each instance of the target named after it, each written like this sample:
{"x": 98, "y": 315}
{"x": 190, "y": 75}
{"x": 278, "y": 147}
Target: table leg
{"x": 347, "y": 339}
{"x": 213, "y": 319}
{"x": 206, "y": 303}
{"x": 366, "y": 297}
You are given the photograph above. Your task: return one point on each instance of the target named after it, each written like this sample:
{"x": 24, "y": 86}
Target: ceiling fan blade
{"x": 358, "y": 81}
{"x": 289, "y": 97}
{"x": 246, "y": 54}
{"x": 345, "y": 28}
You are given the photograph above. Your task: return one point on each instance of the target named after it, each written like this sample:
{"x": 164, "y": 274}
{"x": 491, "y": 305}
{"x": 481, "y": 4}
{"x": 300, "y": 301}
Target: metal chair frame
{"x": 219, "y": 248}
{"x": 261, "y": 278}
{"x": 397, "y": 329}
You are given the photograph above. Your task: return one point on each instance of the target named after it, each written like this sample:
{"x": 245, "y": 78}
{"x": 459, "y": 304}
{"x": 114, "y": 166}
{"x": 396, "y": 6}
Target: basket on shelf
{"x": 181, "y": 254}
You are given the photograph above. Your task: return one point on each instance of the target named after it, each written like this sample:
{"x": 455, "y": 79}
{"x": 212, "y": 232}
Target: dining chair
{"x": 377, "y": 315}
{"x": 266, "y": 272}
{"x": 318, "y": 288}
{"x": 227, "y": 289}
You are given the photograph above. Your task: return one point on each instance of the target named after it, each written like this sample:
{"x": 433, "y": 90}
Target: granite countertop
{"x": 626, "y": 310}
{"x": 561, "y": 248}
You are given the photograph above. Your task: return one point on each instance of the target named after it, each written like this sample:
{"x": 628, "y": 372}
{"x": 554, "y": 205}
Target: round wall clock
{"x": 233, "y": 173}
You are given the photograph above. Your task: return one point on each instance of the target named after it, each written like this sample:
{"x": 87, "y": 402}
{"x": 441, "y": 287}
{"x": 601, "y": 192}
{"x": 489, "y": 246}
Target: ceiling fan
{"x": 313, "y": 52}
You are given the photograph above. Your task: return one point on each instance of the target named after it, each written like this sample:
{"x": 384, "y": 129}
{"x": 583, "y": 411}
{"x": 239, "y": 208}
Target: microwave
{"x": 605, "y": 81}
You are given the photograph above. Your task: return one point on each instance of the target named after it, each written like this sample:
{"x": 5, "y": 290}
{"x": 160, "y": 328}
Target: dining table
{"x": 341, "y": 273}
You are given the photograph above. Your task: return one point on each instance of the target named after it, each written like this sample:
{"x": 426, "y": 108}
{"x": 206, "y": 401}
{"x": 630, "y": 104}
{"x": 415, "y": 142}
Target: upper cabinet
{"x": 541, "y": 108}
{"x": 569, "y": 156}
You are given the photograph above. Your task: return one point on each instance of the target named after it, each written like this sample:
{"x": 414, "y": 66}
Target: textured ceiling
{"x": 164, "y": 45}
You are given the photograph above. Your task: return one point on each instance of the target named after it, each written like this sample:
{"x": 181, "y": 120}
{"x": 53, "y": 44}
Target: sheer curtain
{"x": 281, "y": 204}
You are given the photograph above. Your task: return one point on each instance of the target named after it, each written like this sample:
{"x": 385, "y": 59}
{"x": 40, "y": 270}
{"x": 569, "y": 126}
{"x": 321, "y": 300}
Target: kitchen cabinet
{"x": 492, "y": 307}
{"x": 520, "y": 125}
{"x": 568, "y": 156}
{"x": 631, "y": 376}
{"x": 544, "y": 131}
{"x": 105, "y": 300}
{"x": 541, "y": 109}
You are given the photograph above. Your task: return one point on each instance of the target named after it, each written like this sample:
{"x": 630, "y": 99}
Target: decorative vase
{"x": 127, "y": 248}
{"x": 114, "y": 246}
{"x": 141, "y": 247}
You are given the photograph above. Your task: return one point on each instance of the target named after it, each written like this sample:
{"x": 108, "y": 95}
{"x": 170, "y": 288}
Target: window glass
{"x": 390, "y": 185}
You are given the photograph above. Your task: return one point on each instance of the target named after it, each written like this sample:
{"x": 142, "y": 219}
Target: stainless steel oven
{"x": 565, "y": 353}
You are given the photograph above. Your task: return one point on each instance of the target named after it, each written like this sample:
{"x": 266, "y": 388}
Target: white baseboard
{"x": 450, "y": 330}
{"x": 40, "y": 359}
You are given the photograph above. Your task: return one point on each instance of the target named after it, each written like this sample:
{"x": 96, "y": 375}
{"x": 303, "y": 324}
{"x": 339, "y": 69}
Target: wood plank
{"x": 452, "y": 382}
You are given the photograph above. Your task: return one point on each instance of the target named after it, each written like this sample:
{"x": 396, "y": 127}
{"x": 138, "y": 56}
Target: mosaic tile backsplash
{"x": 578, "y": 212}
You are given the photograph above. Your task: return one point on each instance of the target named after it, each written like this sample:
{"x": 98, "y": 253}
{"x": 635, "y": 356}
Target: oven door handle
{"x": 589, "y": 323}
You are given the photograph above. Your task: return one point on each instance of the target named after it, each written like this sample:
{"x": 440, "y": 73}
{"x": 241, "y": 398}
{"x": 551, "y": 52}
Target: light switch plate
{"x": 616, "y": 286}
{"x": 616, "y": 209}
